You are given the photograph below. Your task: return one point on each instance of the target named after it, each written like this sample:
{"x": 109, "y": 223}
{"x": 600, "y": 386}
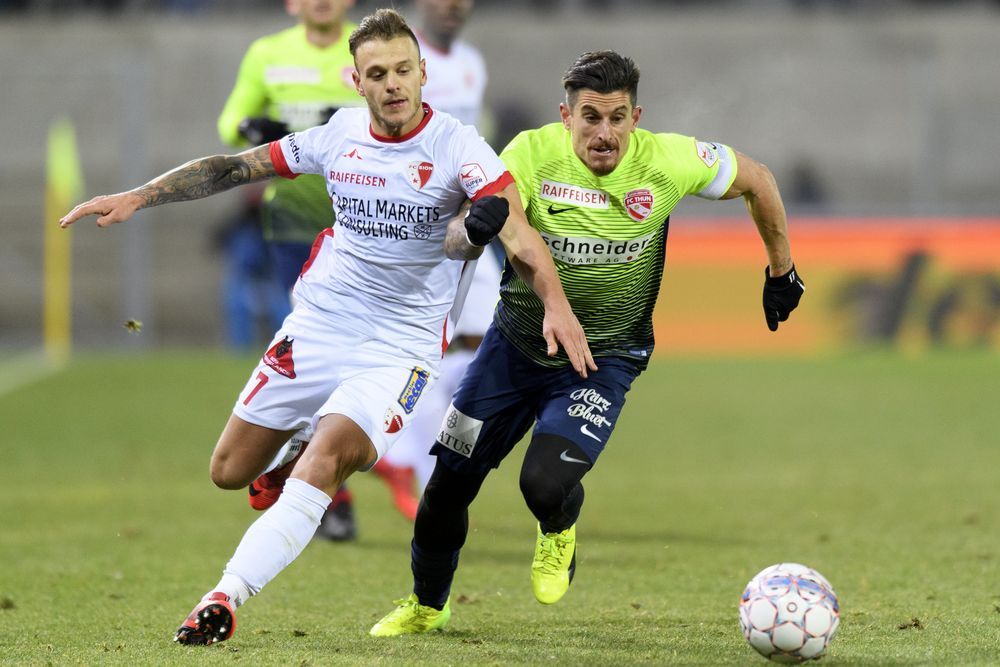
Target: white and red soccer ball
{"x": 789, "y": 613}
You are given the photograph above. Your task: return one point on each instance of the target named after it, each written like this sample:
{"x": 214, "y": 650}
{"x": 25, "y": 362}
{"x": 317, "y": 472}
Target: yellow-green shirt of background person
{"x": 607, "y": 234}
{"x": 286, "y": 78}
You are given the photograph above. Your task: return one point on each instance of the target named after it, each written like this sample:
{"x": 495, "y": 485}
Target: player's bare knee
{"x": 226, "y": 475}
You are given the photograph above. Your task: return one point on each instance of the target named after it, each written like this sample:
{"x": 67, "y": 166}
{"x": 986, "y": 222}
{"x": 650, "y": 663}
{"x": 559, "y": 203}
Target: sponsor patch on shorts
{"x": 459, "y": 432}
{"x": 279, "y": 357}
{"x": 414, "y": 387}
{"x": 392, "y": 422}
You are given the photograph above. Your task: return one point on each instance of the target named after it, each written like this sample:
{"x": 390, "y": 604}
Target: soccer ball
{"x": 789, "y": 613}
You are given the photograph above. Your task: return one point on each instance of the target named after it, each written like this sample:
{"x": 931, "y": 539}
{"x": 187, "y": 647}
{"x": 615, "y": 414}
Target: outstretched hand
{"x": 111, "y": 209}
{"x": 562, "y": 328}
{"x": 781, "y": 295}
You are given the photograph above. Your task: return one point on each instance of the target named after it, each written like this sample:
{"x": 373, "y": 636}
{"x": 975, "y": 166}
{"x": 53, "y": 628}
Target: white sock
{"x": 290, "y": 449}
{"x": 274, "y": 540}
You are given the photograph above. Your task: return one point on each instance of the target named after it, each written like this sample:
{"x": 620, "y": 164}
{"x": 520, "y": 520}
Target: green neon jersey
{"x": 285, "y": 77}
{"x": 607, "y": 234}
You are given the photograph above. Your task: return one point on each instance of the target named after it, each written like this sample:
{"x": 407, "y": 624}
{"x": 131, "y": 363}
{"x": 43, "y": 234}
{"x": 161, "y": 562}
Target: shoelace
{"x": 552, "y": 553}
{"x": 420, "y": 612}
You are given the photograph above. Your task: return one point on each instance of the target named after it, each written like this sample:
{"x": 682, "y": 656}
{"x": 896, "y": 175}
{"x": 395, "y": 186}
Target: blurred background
{"x": 880, "y": 120}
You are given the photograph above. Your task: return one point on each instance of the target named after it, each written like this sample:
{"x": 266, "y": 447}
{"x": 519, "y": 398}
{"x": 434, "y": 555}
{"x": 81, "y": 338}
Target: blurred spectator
{"x": 253, "y": 300}
{"x": 456, "y": 82}
{"x": 287, "y": 82}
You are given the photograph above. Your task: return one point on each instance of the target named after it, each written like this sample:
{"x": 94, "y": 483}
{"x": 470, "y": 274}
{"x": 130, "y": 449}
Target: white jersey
{"x": 381, "y": 272}
{"x": 456, "y": 79}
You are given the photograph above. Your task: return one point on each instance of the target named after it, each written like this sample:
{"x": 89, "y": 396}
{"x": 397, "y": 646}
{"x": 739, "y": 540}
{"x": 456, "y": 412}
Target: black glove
{"x": 485, "y": 219}
{"x": 781, "y": 295}
{"x": 262, "y": 130}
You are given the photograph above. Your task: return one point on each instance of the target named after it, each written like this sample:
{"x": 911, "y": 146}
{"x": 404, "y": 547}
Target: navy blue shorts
{"x": 503, "y": 392}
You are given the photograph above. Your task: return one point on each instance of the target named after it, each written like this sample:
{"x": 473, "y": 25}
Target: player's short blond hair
{"x": 384, "y": 25}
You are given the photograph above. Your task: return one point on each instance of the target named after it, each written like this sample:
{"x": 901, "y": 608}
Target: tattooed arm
{"x": 194, "y": 180}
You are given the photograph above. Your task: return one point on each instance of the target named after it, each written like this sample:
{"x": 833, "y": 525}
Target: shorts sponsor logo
{"x": 459, "y": 432}
{"x": 473, "y": 178}
{"x": 639, "y": 204}
{"x": 393, "y": 422}
{"x": 590, "y": 406}
{"x": 582, "y": 250}
{"x": 418, "y": 173}
{"x": 565, "y": 193}
{"x": 414, "y": 387}
{"x": 279, "y": 358}
{"x": 708, "y": 152}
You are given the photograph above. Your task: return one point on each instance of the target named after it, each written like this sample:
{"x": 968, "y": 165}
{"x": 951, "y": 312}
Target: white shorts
{"x": 314, "y": 368}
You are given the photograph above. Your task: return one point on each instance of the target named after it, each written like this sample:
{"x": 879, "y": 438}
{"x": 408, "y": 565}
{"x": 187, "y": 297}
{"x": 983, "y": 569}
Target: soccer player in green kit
{"x": 600, "y": 191}
{"x": 290, "y": 81}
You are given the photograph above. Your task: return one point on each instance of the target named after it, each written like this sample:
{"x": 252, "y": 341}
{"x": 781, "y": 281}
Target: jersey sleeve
{"x": 301, "y": 152}
{"x": 517, "y": 158}
{"x": 480, "y": 171}
{"x": 705, "y": 169}
{"x": 247, "y": 99}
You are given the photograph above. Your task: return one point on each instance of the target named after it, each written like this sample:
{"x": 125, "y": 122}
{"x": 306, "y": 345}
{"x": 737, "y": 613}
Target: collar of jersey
{"x": 582, "y": 166}
{"x": 428, "y": 112}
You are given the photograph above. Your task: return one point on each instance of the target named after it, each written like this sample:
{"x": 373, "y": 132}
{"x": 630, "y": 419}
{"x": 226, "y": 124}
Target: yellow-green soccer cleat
{"x": 411, "y": 618}
{"x": 554, "y": 564}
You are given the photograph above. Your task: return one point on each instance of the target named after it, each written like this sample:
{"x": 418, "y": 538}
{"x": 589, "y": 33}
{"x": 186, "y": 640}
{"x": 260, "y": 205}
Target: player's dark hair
{"x": 602, "y": 72}
{"x": 383, "y": 25}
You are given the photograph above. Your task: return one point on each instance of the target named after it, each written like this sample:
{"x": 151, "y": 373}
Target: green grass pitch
{"x": 881, "y": 471}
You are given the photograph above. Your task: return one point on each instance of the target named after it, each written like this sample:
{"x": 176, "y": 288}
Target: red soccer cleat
{"x": 400, "y": 482}
{"x": 266, "y": 489}
{"x": 212, "y": 620}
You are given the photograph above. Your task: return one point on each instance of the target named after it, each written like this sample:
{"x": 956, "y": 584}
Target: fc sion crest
{"x": 418, "y": 173}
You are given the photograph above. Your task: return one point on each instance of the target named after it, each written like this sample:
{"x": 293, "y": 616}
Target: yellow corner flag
{"x": 63, "y": 188}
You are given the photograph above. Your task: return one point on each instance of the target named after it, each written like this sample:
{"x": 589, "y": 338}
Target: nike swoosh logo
{"x": 554, "y": 211}
{"x": 569, "y": 459}
{"x": 586, "y": 432}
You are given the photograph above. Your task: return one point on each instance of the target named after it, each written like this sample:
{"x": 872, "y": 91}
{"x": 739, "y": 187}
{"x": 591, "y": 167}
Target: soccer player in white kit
{"x": 373, "y": 303}
{"x": 456, "y": 83}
